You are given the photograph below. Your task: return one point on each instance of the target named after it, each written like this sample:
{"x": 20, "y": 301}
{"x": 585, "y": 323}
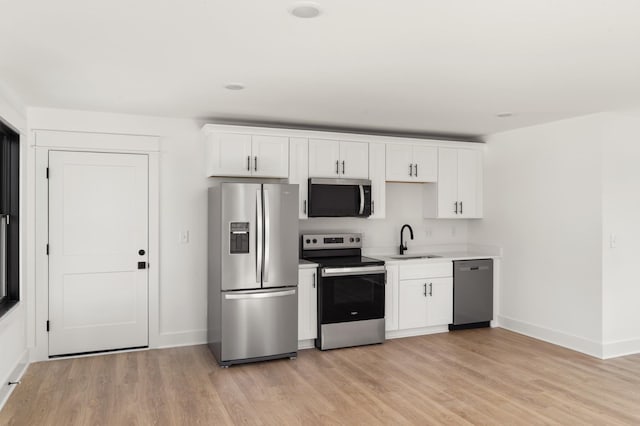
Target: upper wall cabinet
{"x": 411, "y": 163}
{"x": 377, "y": 177}
{"x": 338, "y": 159}
{"x": 458, "y": 193}
{"x": 236, "y": 154}
{"x": 299, "y": 171}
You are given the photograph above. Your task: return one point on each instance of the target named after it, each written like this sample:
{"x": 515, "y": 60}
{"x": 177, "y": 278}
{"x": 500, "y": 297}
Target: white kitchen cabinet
{"x": 377, "y": 154}
{"x": 338, "y": 159}
{"x": 425, "y": 295}
{"x": 307, "y": 304}
{"x": 270, "y": 156}
{"x": 411, "y": 163}
{"x": 299, "y": 172}
{"x": 425, "y": 302}
{"x": 391, "y": 299}
{"x": 412, "y": 304}
{"x": 235, "y": 154}
{"x": 458, "y": 193}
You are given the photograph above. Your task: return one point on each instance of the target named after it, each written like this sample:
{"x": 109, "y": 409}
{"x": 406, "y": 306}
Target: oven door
{"x": 339, "y": 197}
{"x": 351, "y": 294}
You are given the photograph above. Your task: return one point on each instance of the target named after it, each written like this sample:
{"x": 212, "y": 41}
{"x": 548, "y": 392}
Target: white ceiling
{"x": 420, "y": 66}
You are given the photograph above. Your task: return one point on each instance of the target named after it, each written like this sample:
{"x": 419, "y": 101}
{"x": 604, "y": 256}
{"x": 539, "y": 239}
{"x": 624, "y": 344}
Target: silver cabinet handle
{"x": 342, "y": 166}
{"x": 430, "y": 289}
{"x": 456, "y": 207}
{"x": 314, "y": 280}
{"x": 424, "y": 286}
{"x": 304, "y": 208}
{"x": 416, "y": 166}
{"x": 460, "y": 207}
{"x": 259, "y": 231}
{"x": 267, "y": 237}
{"x": 337, "y": 167}
{"x": 255, "y": 163}
{"x": 260, "y": 295}
{"x": 410, "y": 169}
{"x": 248, "y": 162}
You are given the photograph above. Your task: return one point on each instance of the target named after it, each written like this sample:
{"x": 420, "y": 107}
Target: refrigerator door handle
{"x": 260, "y": 295}
{"x": 267, "y": 239}
{"x": 259, "y": 230}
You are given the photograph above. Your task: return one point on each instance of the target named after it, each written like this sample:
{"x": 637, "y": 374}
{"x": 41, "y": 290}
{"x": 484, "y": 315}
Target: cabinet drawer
{"x": 431, "y": 270}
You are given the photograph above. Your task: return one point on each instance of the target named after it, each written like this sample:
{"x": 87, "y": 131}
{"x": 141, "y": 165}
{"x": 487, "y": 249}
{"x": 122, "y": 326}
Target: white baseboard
{"x": 416, "y": 332}
{"x": 181, "y": 338}
{"x": 620, "y": 348}
{"x": 15, "y": 376}
{"x": 306, "y": 344}
{"x": 556, "y": 337}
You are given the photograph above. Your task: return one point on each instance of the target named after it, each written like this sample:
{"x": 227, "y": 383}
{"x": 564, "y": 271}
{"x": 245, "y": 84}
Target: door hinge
{"x": 47, "y": 249}
{"x": 47, "y": 173}
{"x": 47, "y": 326}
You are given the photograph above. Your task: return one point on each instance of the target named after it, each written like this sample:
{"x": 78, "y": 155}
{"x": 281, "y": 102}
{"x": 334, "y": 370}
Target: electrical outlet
{"x": 184, "y": 237}
{"x": 428, "y": 233}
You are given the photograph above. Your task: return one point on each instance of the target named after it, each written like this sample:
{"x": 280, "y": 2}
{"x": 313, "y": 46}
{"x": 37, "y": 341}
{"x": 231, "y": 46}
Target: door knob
{"x": 141, "y": 252}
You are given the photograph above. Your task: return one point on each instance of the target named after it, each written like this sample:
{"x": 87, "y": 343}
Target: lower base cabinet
{"x": 425, "y": 302}
{"x": 307, "y": 304}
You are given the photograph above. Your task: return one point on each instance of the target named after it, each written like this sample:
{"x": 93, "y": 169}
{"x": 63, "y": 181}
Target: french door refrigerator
{"x": 253, "y": 272}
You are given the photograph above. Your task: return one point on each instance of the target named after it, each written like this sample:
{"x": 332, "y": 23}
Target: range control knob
{"x": 308, "y": 241}
{"x": 358, "y": 239}
{"x": 351, "y": 240}
{"x": 315, "y": 241}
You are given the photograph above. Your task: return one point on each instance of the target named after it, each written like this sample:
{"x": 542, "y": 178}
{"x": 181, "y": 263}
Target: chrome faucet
{"x": 403, "y": 245}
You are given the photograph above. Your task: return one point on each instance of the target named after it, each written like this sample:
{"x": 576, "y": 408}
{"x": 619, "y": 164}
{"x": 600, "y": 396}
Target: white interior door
{"x": 98, "y": 234}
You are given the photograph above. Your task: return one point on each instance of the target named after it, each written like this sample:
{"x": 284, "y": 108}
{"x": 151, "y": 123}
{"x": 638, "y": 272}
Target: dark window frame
{"x": 10, "y": 205}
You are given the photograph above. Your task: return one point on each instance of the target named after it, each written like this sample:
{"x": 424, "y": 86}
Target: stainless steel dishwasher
{"x": 472, "y": 293}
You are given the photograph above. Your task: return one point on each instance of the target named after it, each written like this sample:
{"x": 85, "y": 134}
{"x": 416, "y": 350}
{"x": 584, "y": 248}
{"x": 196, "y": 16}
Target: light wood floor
{"x": 488, "y": 376}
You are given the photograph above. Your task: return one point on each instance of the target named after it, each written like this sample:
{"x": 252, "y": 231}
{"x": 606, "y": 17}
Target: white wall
{"x": 404, "y": 205}
{"x": 621, "y": 221}
{"x": 13, "y": 341}
{"x": 543, "y": 195}
{"x": 182, "y": 207}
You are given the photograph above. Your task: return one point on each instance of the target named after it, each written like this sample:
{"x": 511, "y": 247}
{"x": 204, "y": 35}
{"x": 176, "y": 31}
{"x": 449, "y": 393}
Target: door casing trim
{"x": 37, "y": 307}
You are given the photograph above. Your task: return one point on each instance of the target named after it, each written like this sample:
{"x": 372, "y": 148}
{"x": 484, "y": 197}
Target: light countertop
{"x": 305, "y": 264}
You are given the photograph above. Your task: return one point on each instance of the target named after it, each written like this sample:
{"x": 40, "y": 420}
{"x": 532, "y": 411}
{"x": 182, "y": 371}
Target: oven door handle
{"x": 362, "y": 270}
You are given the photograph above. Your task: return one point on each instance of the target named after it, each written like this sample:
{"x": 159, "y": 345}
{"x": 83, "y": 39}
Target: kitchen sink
{"x": 417, "y": 256}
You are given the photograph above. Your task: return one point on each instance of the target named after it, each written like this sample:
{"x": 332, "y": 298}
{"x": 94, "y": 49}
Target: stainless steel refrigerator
{"x": 253, "y": 272}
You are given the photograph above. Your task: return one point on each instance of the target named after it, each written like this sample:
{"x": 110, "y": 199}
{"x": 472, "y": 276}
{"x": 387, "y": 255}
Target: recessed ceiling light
{"x": 234, "y": 86}
{"x": 305, "y": 10}
{"x": 504, "y": 114}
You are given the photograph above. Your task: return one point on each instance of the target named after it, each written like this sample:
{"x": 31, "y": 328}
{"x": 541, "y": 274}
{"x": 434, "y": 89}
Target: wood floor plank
{"x": 479, "y": 377}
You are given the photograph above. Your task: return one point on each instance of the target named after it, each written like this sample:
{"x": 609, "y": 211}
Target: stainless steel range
{"x": 350, "y": 290}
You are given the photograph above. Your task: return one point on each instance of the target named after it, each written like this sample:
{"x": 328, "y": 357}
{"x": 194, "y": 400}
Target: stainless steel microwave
{"x": 339, "y": 197}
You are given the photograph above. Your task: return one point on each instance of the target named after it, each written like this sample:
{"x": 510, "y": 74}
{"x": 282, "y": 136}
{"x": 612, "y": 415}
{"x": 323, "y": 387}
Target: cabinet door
{"x": 228, "y": 154}
{"x": 270, "y": 156}
{"x": 425, "y": 160}
{"x": 378, "y": 183}
{"x": 299, "y": 171}
{"x": 440, "y": 301}
{"x": 391, "y": 299}
{"x": 354, "y": 160}
{"x": 399, "y": 160}
{"x": 307, "y": 304}
{"x": 324, "y": 158}
{"x": 469, "y": 182}
{"x": 412, "y": 304}
{"x": 448, "y": 183}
